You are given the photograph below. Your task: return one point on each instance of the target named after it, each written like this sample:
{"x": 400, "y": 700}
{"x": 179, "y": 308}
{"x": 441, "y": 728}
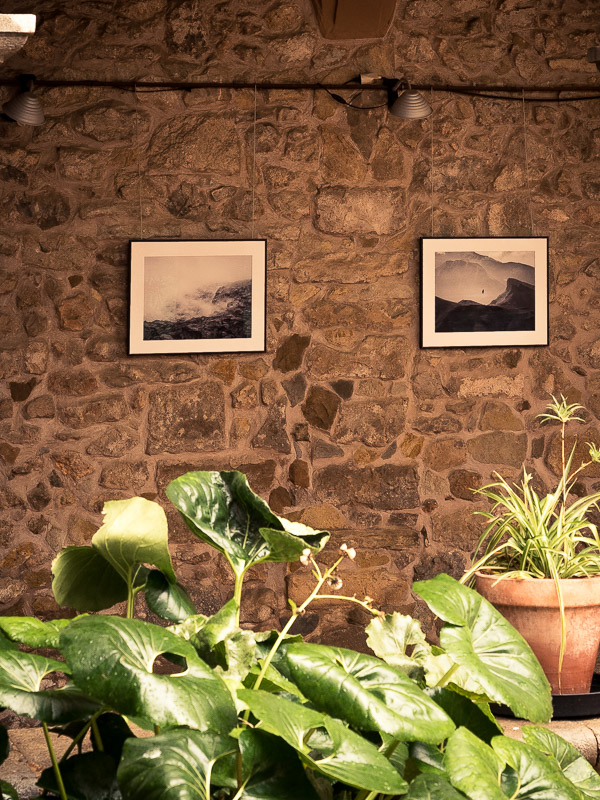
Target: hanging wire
{"x": 339, "y": 99}
{"x": 253, "y": 161}
{"x": 431, "y": 164}
{"x": 528, "y": 183}
{"x": 139, "y": 166}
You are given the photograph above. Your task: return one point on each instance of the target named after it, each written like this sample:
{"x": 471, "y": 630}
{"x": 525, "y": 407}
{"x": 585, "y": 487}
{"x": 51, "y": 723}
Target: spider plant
{"x": 528, "y": 536}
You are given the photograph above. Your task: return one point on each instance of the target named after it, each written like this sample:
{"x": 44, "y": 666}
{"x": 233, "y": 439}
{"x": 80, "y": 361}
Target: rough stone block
{"x": 499, "y": 448}
{"x": 187, "y": 419}
{"x": 386, "y": 487}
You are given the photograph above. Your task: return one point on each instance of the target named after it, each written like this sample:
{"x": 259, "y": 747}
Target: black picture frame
{"x": 197, "y": 296}
{"x": 484, "y": 291}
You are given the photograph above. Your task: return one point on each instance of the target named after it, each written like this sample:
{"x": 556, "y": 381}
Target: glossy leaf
{"x": 33, "y": 632}
{"x": 538, "y": 777}
{"x": 6, "y": 644}
{"x": 7, "y": 790}
{"x": 176, "y": 765}
{"x": 114, "y": 732}
{"x": 272, "y": 769}
{"x": 395, "y": 751}
{"x": 84, "y": 580}
{"x": 481, "y": 641}
{"x": 134, "y": 532}
{"x": 21, "y": 676}
{"x": 367, "y": 693}
{"x": 222, "y": 510}
{"x": 87, "y": 776}
{"x": 429, "y": 758}
{"x": 473, "y": 767}
{"x": 390, "y": 637}
{"x": 325, "y": 744}
{"x": 220, "y": 642}
{"x": 167, "y": 600}
{"x": 112, "y": 659}
{"x": 432, "y": 787}
{"x": 466, "y": 713}
{"x": 574, "y": 766}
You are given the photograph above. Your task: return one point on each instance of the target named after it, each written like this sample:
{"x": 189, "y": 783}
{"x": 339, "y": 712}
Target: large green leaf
{"x": 466, "y": 713}
{"x": 7, "y": 790}
{"x": 114, "y": 732}
{"x": 432, "y": 787}
{"x": 324, "y": 743}
{"x": 167, "y": 600}
{"x": 222, "y": 510}
{"x": 428, "y": 757}
{"x": 134, "y": 532}
{"x": 6, "y": 644}
{"x": 87, "y": 776}
{"x": 480, "y": 640}
{"x": 574, "y": 766}
{"x": 176, "y": 765}
{"x": 271, "y": 768}
{"x": 84, "y": 580}
{"x": 538, "y": 777}
{"x": 21, "y": 676}
{"x": 473, "y": 767}
{"x": 112, "y": 659}
{"x": 220, "y": 642}
{"x": 367, "y": 693}
{"x": 390, "y": 637}
{"x": 32, "y": 632}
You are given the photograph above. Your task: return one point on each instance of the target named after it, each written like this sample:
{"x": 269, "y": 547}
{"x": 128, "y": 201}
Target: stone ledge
{"x": 584, "y": 734}
{"x": 28, "y": 755}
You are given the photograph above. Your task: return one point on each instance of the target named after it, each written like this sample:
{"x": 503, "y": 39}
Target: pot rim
{"x": 539, "y": 592}
{"x": 502, "y": 578}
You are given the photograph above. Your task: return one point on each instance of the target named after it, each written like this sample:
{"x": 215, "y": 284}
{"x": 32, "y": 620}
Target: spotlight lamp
{"x": 25, "y": 108}
{"x": 408, "y": 104}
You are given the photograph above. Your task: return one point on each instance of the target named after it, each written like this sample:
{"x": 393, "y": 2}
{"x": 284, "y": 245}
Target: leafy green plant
{"x": 528, "y": 536}
{"x": 243, "y": 715}
{"x": 541, "y": 537}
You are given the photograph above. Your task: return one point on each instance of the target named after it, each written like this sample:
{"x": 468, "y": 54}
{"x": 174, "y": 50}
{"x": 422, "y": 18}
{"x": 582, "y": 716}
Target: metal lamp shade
{"x": 25, "y": 109}
{"x": 410, "y": 105}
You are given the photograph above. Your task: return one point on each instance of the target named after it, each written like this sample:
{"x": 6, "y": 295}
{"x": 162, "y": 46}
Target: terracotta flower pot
{"x": 531, "y": 606}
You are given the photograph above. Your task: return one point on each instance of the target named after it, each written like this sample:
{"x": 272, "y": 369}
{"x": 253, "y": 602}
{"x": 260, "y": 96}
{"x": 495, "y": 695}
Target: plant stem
{"x": 322, "y": 577}
{"x": 55, "y": 767}
{"x": 130, "y": 596}
{"x": 446, "y": 676}
{"x": 97, "y": 737}
{"x": 365, "y": 795}
{"x": 237, "y": 595}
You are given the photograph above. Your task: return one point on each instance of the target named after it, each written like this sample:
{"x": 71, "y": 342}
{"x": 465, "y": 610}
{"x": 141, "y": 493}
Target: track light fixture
{"x": 25, "y": 108}
{"x": 408, "y": 105}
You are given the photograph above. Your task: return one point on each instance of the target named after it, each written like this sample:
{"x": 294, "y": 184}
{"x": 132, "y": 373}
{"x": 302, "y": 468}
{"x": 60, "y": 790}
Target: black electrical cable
{"x": 339, "y": 99}
{"x": 386, "y": 84}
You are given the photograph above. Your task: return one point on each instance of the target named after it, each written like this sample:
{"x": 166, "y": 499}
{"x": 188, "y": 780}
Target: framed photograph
{"x": 197, "y": 296}
{"x": 484, "y": 292}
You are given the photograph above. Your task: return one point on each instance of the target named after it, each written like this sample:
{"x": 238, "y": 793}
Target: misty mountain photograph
{"x": 197, "y": 297}
{"x": 492, "y": 291}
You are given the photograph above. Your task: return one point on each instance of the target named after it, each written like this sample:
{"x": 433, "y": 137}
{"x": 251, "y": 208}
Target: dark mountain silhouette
{"x": 517, "y": 295}
{"x": 512, "y": 310}
{"x": 235, "y": 322}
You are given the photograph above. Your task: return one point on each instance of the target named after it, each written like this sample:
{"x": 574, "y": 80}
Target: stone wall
{"x": 344, "y": 423}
